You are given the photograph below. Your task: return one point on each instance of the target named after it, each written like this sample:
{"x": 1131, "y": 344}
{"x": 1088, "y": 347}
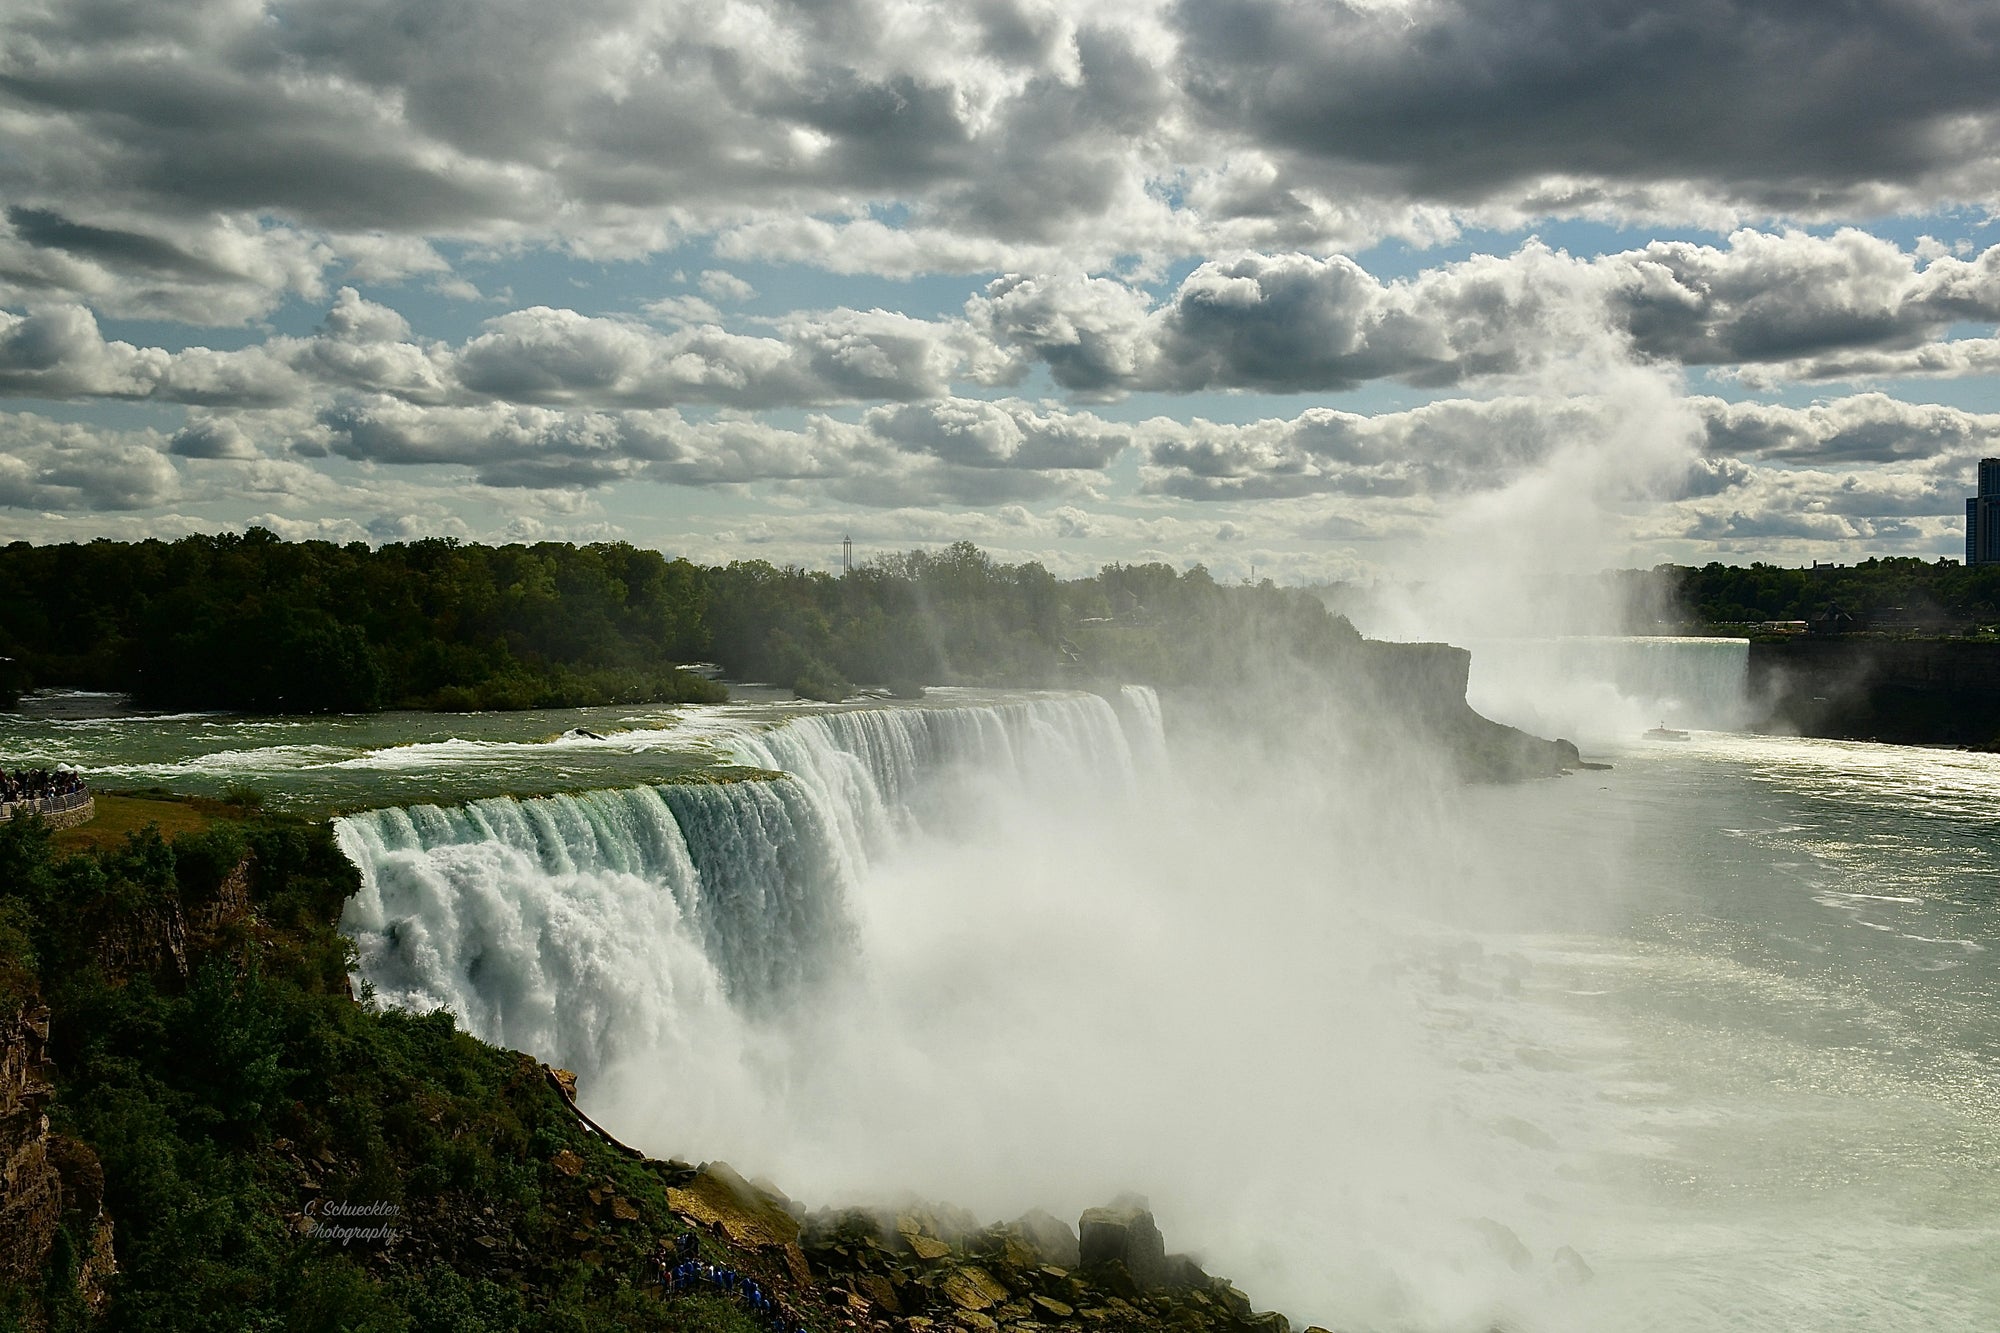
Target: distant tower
{"x": 846, "y": 556}
{"x": 1982, "y": 517}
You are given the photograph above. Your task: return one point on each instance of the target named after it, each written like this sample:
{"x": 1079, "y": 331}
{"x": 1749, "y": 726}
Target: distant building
{"x": 1982, "y": 517}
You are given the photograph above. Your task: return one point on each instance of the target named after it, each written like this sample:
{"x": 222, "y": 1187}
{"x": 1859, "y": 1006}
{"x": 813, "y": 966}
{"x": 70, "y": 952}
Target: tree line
{"x": 1899, "y": 591}
{"x": 256, "y": 623}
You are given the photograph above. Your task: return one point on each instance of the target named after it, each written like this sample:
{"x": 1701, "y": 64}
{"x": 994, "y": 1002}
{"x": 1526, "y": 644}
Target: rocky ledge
{"x": 932, "y": 1269}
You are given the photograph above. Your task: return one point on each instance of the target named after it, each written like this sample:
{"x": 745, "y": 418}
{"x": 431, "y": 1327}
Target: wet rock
{"x": 1124, "y": 1235}
{"x": 1570, "y": 1267}
{"x": 925, "y": 1247}
{"x": 1524, "y": 1132}
{"x": 719, "y": 1197}
{"x": 1184, "y": 1273}
{"x": 973, "y": 1288}
{"x": 881, "y": 1291}
{"x": 1233, "y": 1299}
{"x": 1051, "y": 1237}
{"x": 1502, "y": 1243}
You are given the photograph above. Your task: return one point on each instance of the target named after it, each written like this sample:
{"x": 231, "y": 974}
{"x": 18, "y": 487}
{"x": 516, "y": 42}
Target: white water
{"x": 1722, "y": 1020}
{"x": 1610, "y": 688}
{"x": 582, "y": 927}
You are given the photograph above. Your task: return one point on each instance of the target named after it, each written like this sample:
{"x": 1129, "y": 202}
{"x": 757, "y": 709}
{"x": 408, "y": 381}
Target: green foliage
{"x": 225, "y": 1089}
{"x": 254, "y": 623}
{"x": 1894, "y": 594}
{"x": 250, "y": 622}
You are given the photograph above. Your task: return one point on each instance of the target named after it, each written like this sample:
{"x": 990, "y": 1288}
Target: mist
{"x": 1233, "y": 977}
{"x": 1518, "y": 572}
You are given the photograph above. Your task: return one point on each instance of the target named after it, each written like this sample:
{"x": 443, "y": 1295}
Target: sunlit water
{"x": 1707, "y": 1041}
{"x": 347, "y": 762}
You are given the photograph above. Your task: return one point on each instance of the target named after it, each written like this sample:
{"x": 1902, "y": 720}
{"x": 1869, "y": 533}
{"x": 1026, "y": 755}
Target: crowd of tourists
{"x": 39, "y": 784}
{"x": 684, "y": 1270}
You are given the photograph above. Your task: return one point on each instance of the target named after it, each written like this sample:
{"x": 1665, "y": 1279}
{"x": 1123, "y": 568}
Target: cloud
{"x": 954, "y": 451}
{"x": 720, "y": 286}
{"x": 57, "y": 352}
{"x": 1864, "y": 429}
{"x": 1450, "y": 447}
{"x": 1294, "y": 322}
{"x": 212, "y": 437}
{"x": 1010, "y": 434}
{"x": 204, "y": 270}
{"x": 1788, "y": 109}
{"x": 200, "y": 162}
{"x": 49, "y": 465}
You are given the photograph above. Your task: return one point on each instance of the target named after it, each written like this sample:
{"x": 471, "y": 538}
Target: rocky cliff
{"x": 51, "y": 1187}
{"x": 1907, "y": 691}
{"x": 30, "y": 1190}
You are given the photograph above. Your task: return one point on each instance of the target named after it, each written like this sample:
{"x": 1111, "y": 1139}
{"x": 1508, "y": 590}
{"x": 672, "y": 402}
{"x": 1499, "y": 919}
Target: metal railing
{"x": 45, "y": 805}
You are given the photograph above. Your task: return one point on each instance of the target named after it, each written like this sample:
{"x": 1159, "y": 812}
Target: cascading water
{"x": 1610, "y": 687}
{"x": 580, "y": 926}
{"x": 1702, "y": 1043}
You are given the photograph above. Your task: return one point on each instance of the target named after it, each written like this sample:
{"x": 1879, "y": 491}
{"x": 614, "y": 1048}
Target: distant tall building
{"x": 1982, "y": 517}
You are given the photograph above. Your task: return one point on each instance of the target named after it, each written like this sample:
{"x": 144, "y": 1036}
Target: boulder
{"x": 1502, "y": 1243}
{"x": 1051, "y": 1237}
{"x": 973, "y": 1288}
{"x": 1570, "y": 1267}
{"x": 1184, "y": 1274}
{"x": 721, "y": 1198}
{"x": 1124, "y": 1235}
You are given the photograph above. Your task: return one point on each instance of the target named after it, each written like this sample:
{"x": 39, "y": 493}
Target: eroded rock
{"x": 1124, "y": 1235}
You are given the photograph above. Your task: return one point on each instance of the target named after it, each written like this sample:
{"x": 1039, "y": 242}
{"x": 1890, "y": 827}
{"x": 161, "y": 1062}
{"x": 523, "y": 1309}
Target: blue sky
{"x": 1309, "y": 287}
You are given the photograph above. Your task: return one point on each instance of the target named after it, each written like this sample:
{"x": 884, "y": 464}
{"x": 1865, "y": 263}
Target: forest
{"x": 255, "y": 623}
{"x": 1897, "y": 593}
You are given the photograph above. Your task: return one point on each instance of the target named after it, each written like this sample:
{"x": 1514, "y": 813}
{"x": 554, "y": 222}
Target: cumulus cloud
{"x": 54, "y": 465}
{"x": 953, "y": 451}
{"x": 1863, "y": 429}
{"x": 212, "y": 437}
{"x": 198, "y": 161}
{"x": 1798, "y": 109}
{"x": 202, "y": 270}
{"x": 213, "y": 165}
{"x": 1811, "y": 305}
{"x": 1446, "y": 448}
{"x": 718, "y": 285}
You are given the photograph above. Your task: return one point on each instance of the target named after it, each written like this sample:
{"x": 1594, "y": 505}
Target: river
{"x": 1705, "y": 1041}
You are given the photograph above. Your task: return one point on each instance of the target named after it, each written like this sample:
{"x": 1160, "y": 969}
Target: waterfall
{"x": 575, "y": 926}
{"x": 1610, "y": 688}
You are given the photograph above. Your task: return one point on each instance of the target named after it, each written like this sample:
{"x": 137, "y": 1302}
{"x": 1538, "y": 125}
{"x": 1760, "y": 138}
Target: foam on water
{"x": 732, "y": 891}
{"x": 1381, "y": 1055}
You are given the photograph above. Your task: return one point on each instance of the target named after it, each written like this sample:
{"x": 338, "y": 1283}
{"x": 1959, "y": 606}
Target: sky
{"x": 1312, "y": 290}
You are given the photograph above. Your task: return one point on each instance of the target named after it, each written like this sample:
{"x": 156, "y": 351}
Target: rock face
{"x": 45, "y": 1179}
{"x": 1051, "y": 1238}
{"x": 1908, "y": 691}
{"x": 30, "y": 1188}
{"x": 935, "y": 1270}
{"x": 1124, "y": 1235}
